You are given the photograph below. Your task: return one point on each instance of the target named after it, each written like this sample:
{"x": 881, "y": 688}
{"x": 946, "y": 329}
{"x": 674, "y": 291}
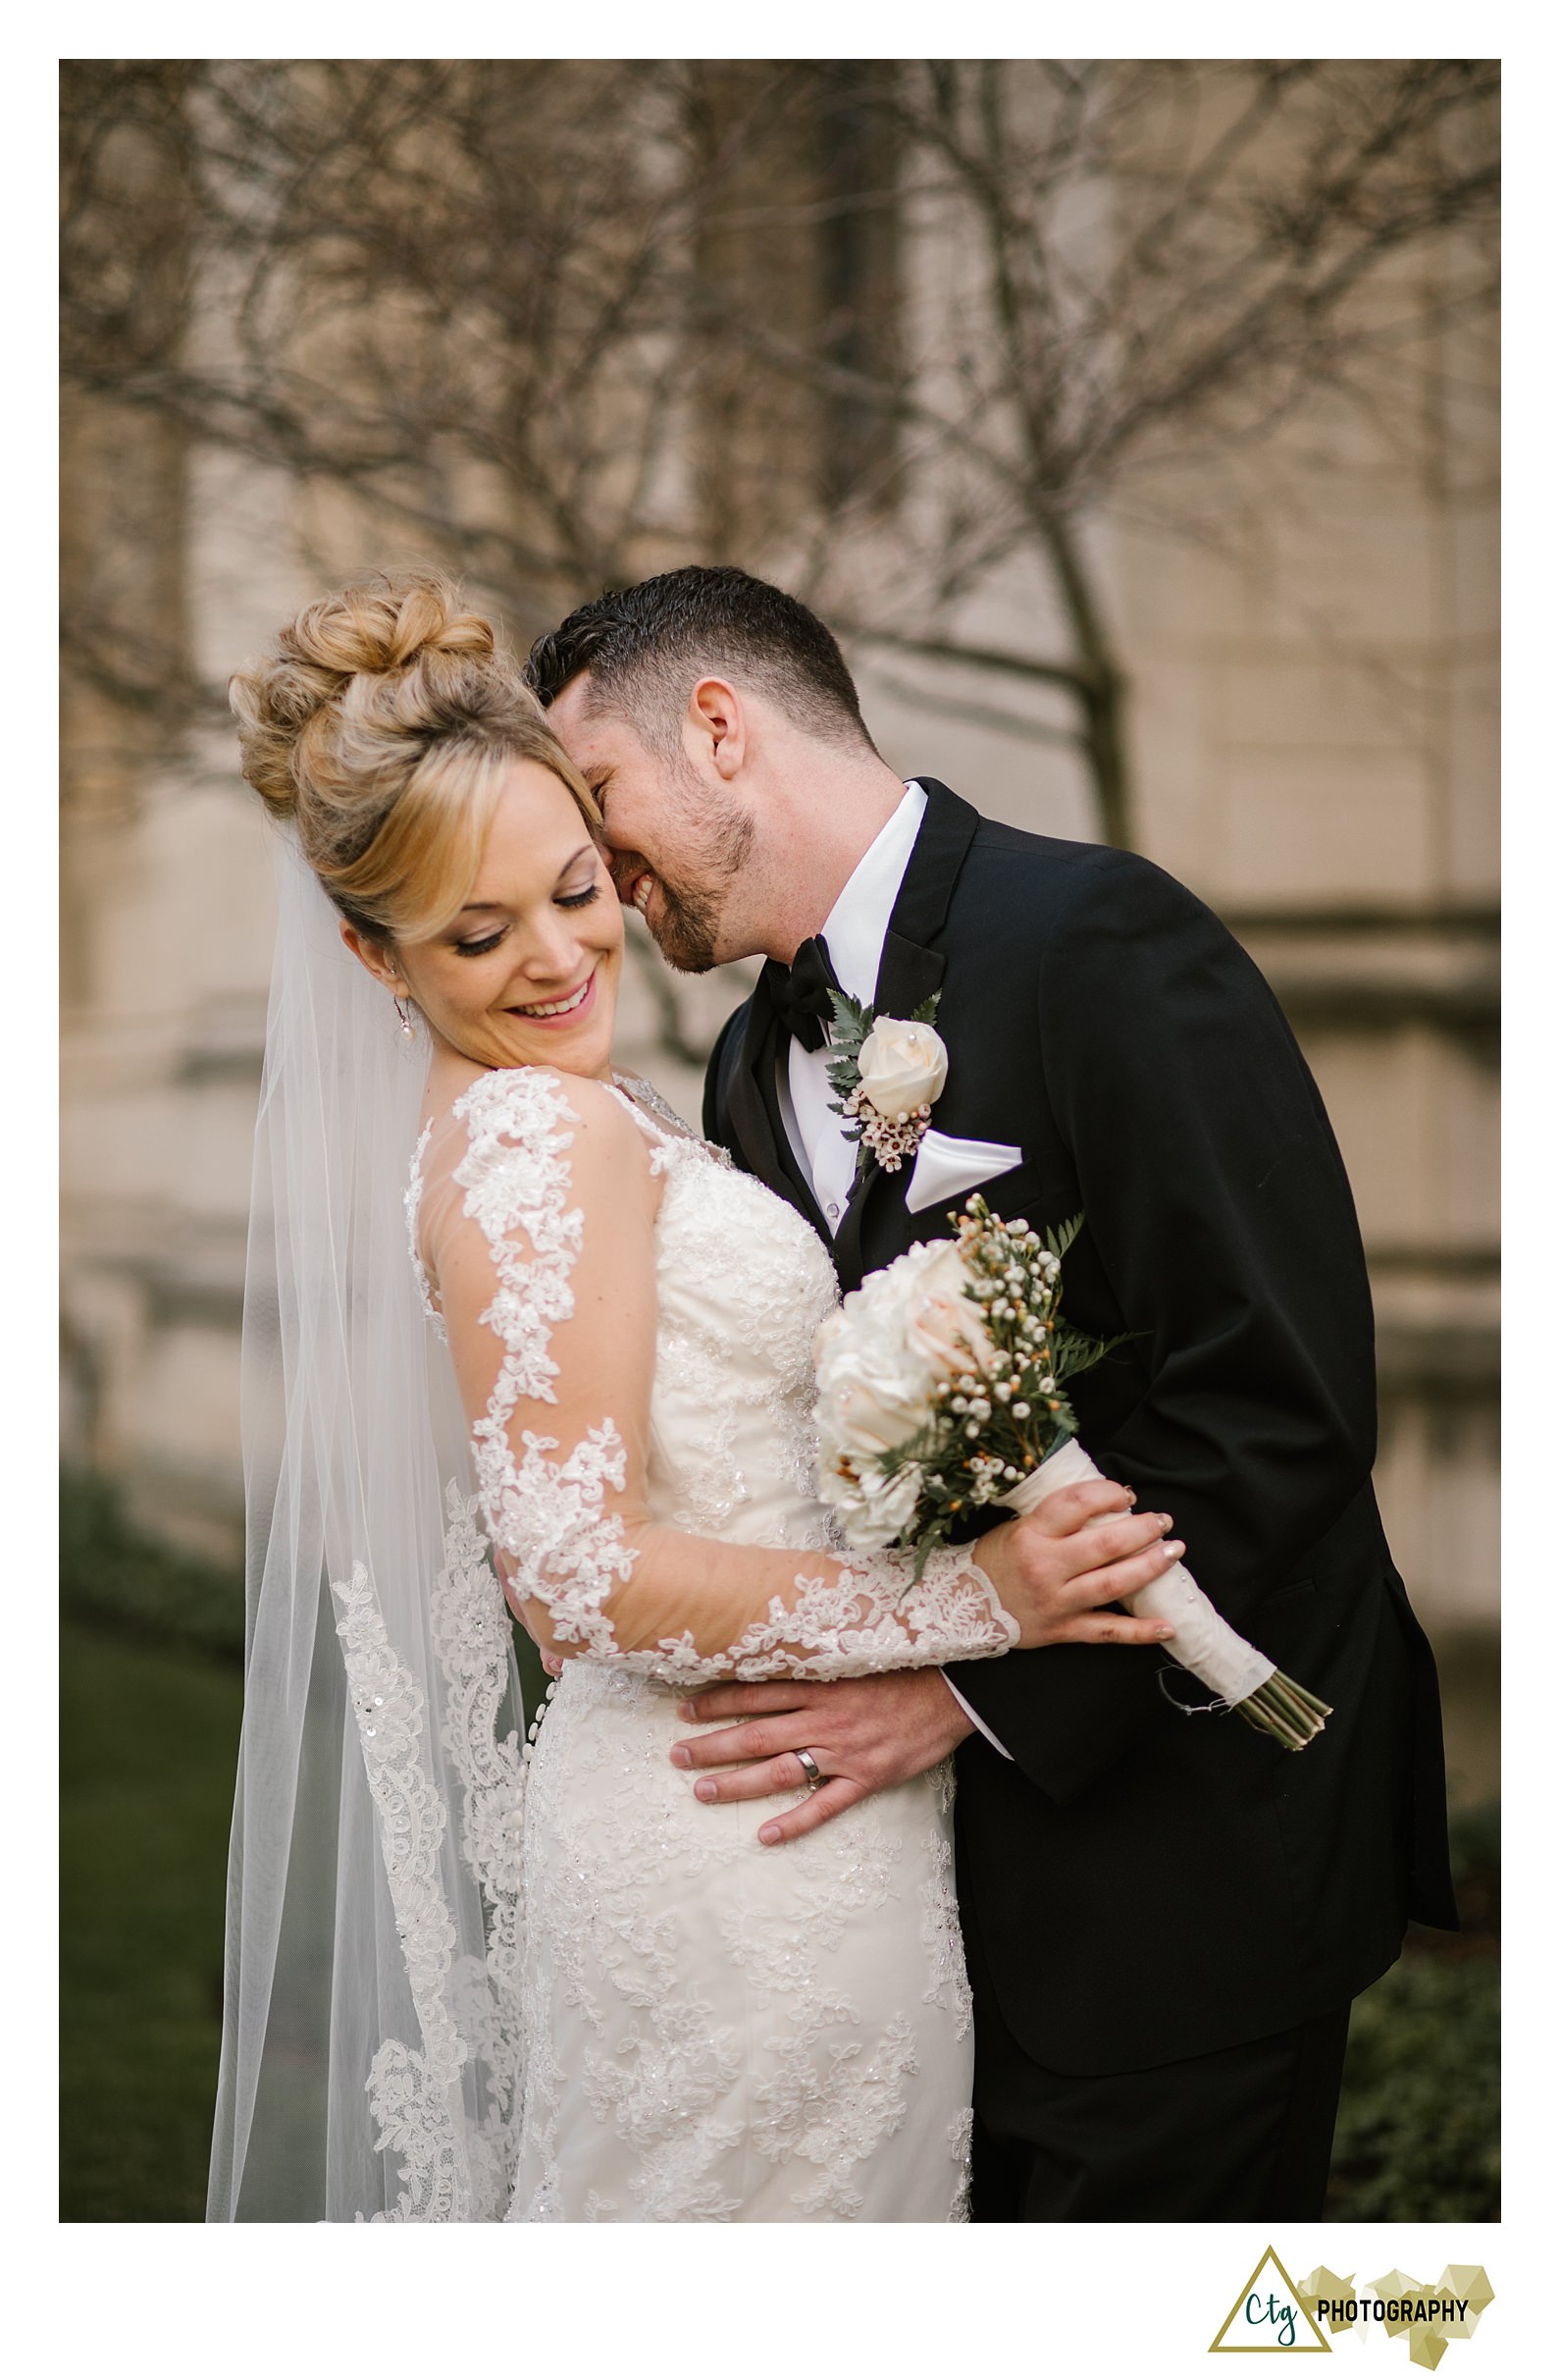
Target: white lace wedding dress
{"x": 712, "y": 2029}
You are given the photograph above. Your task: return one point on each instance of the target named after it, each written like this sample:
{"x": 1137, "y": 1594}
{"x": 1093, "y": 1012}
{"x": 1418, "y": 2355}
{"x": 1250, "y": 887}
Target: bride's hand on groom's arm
{"x": 1084, "y": 1548}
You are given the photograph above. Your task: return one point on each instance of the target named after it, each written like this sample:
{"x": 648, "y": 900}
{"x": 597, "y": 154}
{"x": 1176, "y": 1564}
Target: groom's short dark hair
{"x": 647, "y": 647}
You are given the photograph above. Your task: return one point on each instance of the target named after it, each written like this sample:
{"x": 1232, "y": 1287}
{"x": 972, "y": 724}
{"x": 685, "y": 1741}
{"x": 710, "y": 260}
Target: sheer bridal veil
{"x": 370, "y": 2049}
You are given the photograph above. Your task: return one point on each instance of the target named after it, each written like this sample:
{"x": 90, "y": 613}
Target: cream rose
{"x": 874, "y": 1391}
{"x": 874, "y": 1395}
{"x": 879, "y": 1359}
{"x": 943, "y": 1325}
{"x": 902, "y": 1067}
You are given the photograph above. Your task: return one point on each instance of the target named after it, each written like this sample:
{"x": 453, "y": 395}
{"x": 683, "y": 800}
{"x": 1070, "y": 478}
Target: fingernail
{"x": 1174, "y": 1549}
{"x": 1164, "y": 1629}
{"x": 682, "y": 1758}
{"x": 685, "y": 1710}
{"x": 1164, "y": 1520}
{"x": 768, "y": 1835}
{"x": 705, "y": 1790}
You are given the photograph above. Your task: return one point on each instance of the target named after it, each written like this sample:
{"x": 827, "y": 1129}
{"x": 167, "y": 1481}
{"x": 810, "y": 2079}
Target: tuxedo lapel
{"x": 947, "y": 831}
{"x": 755, "y": 1109}
{"x": 906, "y": 975}
{"x": 908, "y": 971}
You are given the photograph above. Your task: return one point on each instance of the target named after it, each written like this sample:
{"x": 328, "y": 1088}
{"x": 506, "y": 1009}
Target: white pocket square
{"x": 944, "y": 1167}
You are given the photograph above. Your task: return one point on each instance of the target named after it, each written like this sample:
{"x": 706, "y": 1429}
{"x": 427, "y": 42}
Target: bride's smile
{"x": 526, "y": 972}
{"x": 553, "y": 1011}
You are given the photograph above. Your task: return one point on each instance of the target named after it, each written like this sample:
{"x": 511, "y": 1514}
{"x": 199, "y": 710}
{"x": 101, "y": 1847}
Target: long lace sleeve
{"x": 538, "y": 1227}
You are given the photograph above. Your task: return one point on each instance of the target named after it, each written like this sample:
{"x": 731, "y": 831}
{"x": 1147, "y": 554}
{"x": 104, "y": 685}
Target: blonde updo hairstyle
{"x": 380, "y": 723}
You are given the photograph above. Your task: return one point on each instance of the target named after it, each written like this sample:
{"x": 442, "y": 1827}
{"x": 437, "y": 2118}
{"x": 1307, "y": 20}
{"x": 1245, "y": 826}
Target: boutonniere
{"x": 888, "y": 1072}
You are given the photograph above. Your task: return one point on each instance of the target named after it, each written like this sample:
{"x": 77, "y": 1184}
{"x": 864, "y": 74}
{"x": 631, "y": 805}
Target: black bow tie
{"x": 801, "y": 992}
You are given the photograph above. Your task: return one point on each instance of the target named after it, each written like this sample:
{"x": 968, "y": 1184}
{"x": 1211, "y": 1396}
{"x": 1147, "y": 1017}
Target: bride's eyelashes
{"x": 565, "y": 899}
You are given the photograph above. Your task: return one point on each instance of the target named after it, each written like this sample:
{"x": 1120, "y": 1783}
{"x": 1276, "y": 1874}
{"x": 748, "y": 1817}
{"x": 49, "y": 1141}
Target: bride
{"x": 469, "y": 1979}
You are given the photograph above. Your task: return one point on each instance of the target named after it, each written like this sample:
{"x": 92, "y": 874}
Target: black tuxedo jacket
{"x": 1148, "y": 1885}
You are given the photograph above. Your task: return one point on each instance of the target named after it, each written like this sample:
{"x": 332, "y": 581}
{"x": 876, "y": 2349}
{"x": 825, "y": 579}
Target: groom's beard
{"x": 687, "y": 925}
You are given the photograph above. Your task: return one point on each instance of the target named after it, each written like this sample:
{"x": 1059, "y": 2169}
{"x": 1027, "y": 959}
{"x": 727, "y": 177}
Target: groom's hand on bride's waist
{"x": 861, "y": 1733}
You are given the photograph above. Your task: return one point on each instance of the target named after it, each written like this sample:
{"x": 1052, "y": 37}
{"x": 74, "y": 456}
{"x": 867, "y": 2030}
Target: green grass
{"x": 148, "y": 1743}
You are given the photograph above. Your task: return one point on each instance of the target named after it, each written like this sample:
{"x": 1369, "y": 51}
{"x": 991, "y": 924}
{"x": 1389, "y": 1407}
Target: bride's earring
{"x": 408, "y": 1029}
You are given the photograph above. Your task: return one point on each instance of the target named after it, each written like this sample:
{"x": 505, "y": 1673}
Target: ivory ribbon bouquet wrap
{"x": 941, "y": 1390}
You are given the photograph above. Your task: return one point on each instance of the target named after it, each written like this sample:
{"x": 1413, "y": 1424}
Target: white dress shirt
{"x": 855, "y": 930}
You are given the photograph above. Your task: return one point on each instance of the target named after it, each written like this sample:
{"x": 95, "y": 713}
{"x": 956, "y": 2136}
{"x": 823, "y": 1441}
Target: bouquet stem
{"x": 1285, "y": 1710}
{"x": 1203, "y": 1642}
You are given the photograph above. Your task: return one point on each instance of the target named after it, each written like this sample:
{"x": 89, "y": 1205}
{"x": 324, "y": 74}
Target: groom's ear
{"x": 718, "y": 725}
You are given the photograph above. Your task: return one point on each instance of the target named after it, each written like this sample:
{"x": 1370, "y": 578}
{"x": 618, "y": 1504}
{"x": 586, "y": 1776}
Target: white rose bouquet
{"x": 941, "y": 1391}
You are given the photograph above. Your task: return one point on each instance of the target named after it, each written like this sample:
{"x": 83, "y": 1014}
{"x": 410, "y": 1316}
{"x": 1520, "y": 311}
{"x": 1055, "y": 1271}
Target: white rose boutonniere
{"x": 888, "y": 1072}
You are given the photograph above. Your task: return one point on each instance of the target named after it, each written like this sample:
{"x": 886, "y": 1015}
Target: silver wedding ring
{"x": 810, "y": 1770}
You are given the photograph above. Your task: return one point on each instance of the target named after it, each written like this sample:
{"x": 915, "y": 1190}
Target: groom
{"x": 1166, "y": 1915}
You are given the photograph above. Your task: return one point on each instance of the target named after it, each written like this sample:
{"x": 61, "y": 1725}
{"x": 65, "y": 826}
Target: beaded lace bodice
{"x": 643, "y": 1355}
